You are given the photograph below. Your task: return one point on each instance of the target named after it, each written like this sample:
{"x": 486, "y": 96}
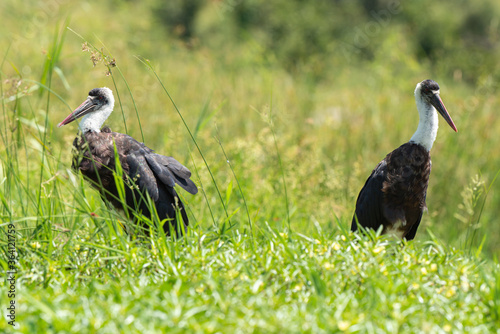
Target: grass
{"x": 284, "y": 170}
{"x": 296, "y": 284}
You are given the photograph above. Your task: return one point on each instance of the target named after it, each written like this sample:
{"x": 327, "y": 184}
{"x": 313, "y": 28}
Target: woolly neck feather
{"x": 428, "y": 125}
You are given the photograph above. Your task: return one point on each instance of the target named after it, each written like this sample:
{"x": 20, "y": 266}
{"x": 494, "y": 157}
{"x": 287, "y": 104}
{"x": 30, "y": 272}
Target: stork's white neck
{"x": 95, "y": 120}
{"x": 428, "y": 125}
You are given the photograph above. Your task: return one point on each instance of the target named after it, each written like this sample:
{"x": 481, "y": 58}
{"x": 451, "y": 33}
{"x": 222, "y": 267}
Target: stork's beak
{"x": 439, "y": 105}
{"x": 86, "y": 107}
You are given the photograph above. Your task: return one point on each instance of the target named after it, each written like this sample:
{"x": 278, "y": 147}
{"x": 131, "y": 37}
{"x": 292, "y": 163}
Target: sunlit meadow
{"x": 279, "y": 145}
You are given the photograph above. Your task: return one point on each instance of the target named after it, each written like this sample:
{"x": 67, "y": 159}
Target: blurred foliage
{"x": 325, "y": 86}
{"x": 458, "y": 38}
{"x": 335, "y": 78}
{"x": 178, "y": 16}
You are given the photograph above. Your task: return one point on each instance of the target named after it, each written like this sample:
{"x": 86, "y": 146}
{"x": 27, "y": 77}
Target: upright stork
{"x": 145, "y": 173}
{"x": 394, "y": 195}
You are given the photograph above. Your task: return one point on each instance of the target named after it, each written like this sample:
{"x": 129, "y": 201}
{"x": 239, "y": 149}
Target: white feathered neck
{"x": 95, "y": 120}
{"x": 428, "y": 125}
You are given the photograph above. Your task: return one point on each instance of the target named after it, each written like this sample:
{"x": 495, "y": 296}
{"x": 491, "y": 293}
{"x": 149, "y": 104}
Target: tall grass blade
{"x": 148, "y": 65}
{"x": 283, "y": 179}
{"x": 250, "y": 225}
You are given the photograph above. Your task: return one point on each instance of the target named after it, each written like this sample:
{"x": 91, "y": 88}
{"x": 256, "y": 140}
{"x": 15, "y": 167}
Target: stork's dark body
{"x": 144, "y": 172}
{"x": 394, "y": 194}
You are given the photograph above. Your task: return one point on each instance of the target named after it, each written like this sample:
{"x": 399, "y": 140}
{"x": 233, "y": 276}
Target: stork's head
{"x": 427, "y": 96}
{"x": 94, "y": 110}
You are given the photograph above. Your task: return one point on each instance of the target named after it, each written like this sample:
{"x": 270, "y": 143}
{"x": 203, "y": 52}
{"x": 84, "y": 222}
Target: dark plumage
{"x": 394, "y": 195}
{"x": 405, "y": 171}
{"x": 145, "y": 173}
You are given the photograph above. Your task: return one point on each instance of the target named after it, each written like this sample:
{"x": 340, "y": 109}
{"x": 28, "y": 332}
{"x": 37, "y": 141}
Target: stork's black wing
{"x": 155, "y": 174}
{"x": 140, "y": 173}
{"x": 395, "y": 191}
{"x": 410, "y": 235}
{"x": 369, "y": 212}
{"x": 171, "y": 171}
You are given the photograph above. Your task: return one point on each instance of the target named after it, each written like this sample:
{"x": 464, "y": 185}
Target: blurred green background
{"x": 333, "y": 80}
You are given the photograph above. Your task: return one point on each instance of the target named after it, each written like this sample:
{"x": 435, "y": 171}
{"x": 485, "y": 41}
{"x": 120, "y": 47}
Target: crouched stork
{"x": 394, "y": 195}
{"x": 145, "y": 173}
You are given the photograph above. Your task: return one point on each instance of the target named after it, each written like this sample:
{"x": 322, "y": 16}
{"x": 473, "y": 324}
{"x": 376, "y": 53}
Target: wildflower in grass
{"x": 343, "y": 325}
{"x": 328, "y": 265}
{"x": 465, "y": 286}
{"x": 35, "y": 244}
{"x": 450, "y": 292}
{"x": 232, "y": 273}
